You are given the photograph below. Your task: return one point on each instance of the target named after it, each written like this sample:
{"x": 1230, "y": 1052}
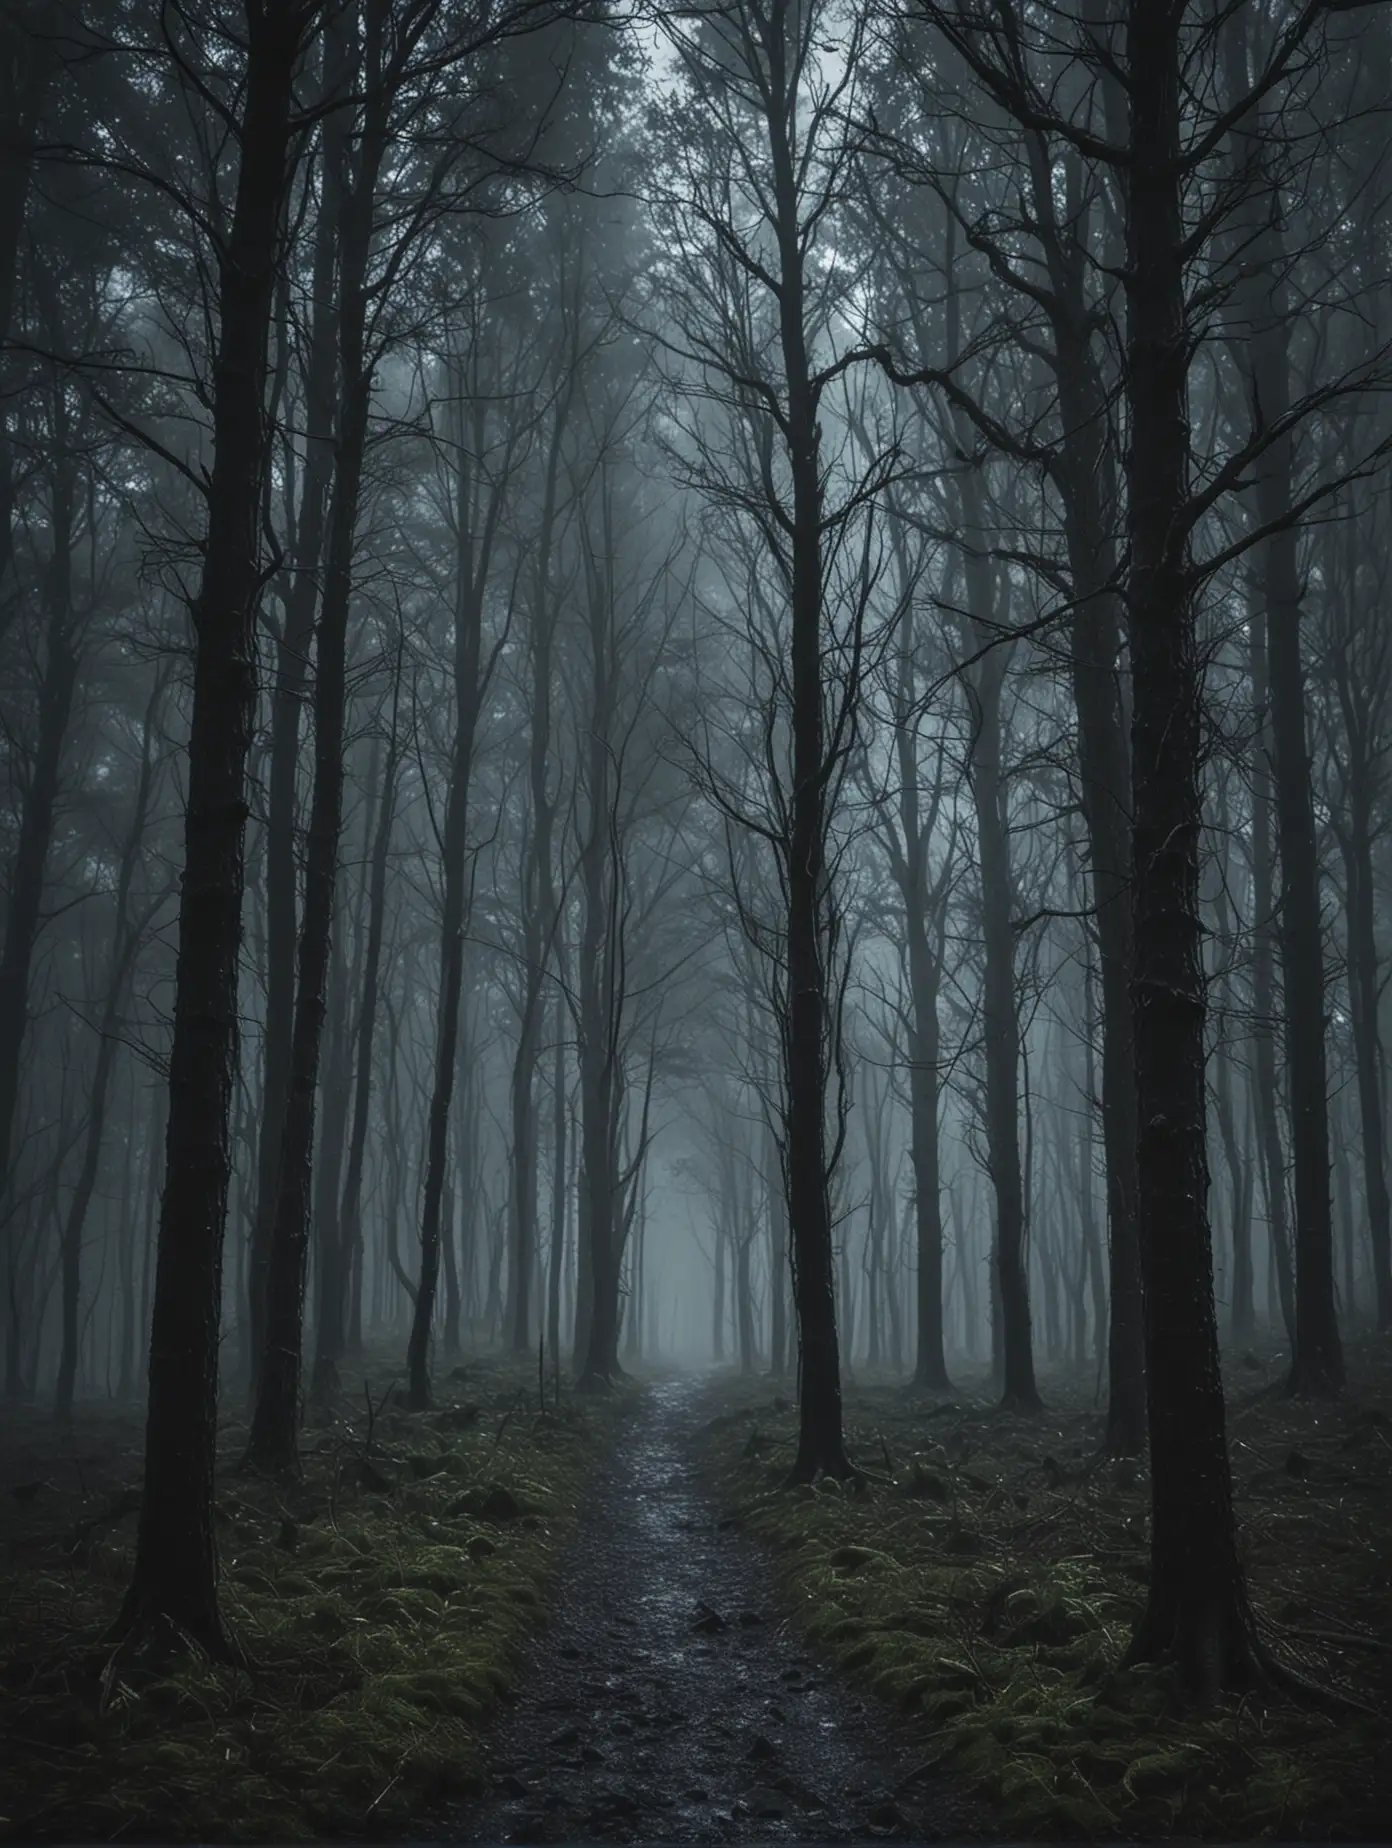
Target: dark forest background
{"x": 702, "y": 683}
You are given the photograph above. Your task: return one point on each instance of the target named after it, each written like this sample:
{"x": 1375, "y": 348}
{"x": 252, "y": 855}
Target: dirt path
{"x": 668, "y": 1700}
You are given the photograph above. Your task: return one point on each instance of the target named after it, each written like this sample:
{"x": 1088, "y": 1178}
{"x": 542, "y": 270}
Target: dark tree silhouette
{"x": 173, "y": 1588}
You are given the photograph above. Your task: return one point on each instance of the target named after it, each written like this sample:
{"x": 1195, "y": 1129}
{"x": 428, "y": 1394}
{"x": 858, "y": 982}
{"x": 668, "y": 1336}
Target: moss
{"x": 379, "y": 1645}
{"x": 995, "y": 1602}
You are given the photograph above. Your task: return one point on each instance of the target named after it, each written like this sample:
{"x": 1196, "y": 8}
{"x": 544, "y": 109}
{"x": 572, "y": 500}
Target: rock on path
{"x": 669, "y": 1701}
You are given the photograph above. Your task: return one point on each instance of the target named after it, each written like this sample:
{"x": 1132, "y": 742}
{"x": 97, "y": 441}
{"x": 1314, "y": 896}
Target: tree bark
{"x": 984, "y": 686}
{"x": 273, "y": 1444}
{"x": 776, "y": 1203}
{"x": 471, "y": 574}
{"x": 292, "y": 650}
{"x": 332, "y": 1258}
{"x": 524, "y": 1163}
{"x": 333, "y": 1337}
{"x": 809, "y": 1027}
{"x": 27, "y": 67}
{"x": 1001, "y": 1033}
{"x": 1084, "y": 469}
{"x": 1266, "y": 1090}
{"x": 560, "y": 1111}
{"x": 1241, "y": 1311}
{"x": 125, "y": 944}
{"x": 173, "y": 1588}
{"x": 1317, "y": 1363}
{"x": 1104, "y": 779}
{"x": 924, "y": 920}
{"x": 538, "y": 894}
{"x": 1363, "y": 984}
{"x": 26, "y": 884}
{"x": 1196, "y": 1612}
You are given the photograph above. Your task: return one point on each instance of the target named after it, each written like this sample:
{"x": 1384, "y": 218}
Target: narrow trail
{"x": 669, "y": 1700}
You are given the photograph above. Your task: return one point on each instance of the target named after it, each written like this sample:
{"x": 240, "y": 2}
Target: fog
{"x": 689, "y": 686}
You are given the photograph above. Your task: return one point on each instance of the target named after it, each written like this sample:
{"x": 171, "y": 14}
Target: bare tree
{"x": 173, "y": 1589}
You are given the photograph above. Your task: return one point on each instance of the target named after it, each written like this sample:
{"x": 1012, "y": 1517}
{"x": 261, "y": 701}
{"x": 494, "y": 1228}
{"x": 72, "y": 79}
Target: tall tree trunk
{"x": 1360, "y": 663}
{"x": 560, "y": 1111}
{"x": 1104, "y": 775}
{"x": 809, "y": 1029}
{"x": 333, "y": 1338}
{"x": 1266, "y": 1090}
{"x": 1317, "y": 1362}
{"x": 601, "y": 960}
{"x": 538, "y": 894}
{"x": 523, "y": 1167}
{"x": 718, "y": 1296}
{"x": 472, "y": 563}
{"x": 40, "y": 796}
{"x": 1363, "y": 984}
{"x": 633, "y": 1321}
{"x": 273, "y": 1445}
{"x": 744, "y": 1307}
{"x": 27, "y": 68}
{"x": 1001, "y": 1032}
{"x": 1000, "y": 1018}
{"x": 1241, "y": 1312}
{"x": 1100, "y": 1309}
{"x": 1196, "y": 1611}
{"x": 898, "y": 1245}
{"x": 458, "y": 1190}
{"x": 598, "y": 1150}
{"x": 173, "y": 1588}
{"x": 776, "y": 1208}
{"x": 332, "y": 1257}
{"x": 930, "y": 1364}
{"x": 1084, "y": 469}
{"x": 450, "y": 1258}
{"x": 571, "y": 1272}
{"x": 292, "y": 649}
{"x": 129, "y": 1224}
{"x": 923, "y": 945}
{"x": 333, "y": 1252}
{"x": 125, "y": 943}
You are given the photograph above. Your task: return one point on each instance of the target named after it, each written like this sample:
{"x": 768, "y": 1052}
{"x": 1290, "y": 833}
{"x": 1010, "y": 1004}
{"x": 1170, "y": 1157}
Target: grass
{"x": 383, "y": 1611}
{"x": 988, "y": 1579}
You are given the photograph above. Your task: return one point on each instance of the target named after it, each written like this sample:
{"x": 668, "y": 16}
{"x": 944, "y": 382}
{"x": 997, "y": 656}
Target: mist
{"x": 696, "y": 692}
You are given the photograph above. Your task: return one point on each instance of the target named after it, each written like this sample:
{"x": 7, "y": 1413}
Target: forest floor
{"x": 384, "y": 1602}
{"x": 670, "y": 1699}
{"x": 985, "y": 1580}
{"x": 611, "y": 1622}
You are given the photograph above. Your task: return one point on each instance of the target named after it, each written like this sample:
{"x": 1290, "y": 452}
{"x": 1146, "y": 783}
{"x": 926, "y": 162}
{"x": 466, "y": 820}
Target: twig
{"x": 1350, "y": 1637}
{"x": 386, "y": 1791}
{"x": 373, "y": 1413}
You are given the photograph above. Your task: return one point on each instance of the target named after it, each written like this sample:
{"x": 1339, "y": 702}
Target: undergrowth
{"x": 381, "y": 1602}
{"x": 987, "y": 1577}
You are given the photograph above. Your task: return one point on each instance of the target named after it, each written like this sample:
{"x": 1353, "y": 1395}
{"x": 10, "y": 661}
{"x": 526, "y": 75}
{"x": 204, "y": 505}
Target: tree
{"x": 173, "y": 1588}
{"x": 1052, "y": 282}
{"x": 396, "y": 37}
{"x": 748, "y": 200}
{"x": 293, "y": 642}
{"x": 1196, "y": 1609}
{"x": 339, "y": 1267}
{"x": 1358, "y": 669}
{"x": 1263, "y": 327}
{"x": 128, "y": 928}
{"x": 28, "y": 65}
{"x": 905, "y": 828}
{"x": 483, "y": 462}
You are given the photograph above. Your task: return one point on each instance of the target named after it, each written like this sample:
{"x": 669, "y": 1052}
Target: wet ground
{"x": 669, "y": 1700}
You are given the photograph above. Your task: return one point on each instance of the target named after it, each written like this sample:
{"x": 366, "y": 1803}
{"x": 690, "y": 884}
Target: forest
{"x": 696, "y": 711}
